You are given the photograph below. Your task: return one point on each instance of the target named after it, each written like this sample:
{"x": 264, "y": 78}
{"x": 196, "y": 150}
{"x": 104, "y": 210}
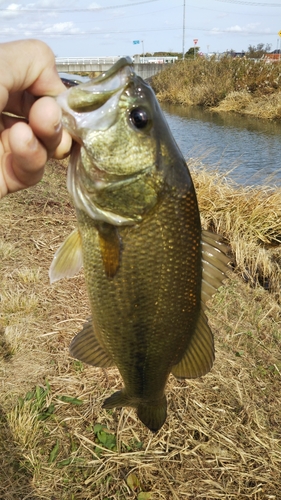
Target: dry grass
{"x": 241, "y": 85}
{"x": 266, "y": 107}
{"x": 250, "y": 220}
{"x": 222, "y": 436}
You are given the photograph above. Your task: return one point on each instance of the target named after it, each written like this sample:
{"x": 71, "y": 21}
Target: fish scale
{"x": 153, "y": 297}
{"x": 148, "y": 266}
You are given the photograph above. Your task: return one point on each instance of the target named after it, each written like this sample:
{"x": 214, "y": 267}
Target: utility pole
{"x": 183, "y": 29}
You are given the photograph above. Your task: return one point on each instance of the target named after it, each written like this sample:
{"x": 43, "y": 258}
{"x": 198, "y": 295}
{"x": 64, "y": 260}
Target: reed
{"x": 240, "y": 85}
{"x": 250, "y": 220}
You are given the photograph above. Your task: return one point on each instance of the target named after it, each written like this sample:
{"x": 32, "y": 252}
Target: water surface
{"x": 247, "y": 149}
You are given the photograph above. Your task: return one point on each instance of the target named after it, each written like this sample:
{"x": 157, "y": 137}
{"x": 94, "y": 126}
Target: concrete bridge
{"x": 100, "y": 65}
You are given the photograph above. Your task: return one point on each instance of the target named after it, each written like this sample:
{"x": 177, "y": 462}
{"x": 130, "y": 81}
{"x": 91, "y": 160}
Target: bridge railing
{"x": 113, "y": 59}
{"x": 87, "y": 60}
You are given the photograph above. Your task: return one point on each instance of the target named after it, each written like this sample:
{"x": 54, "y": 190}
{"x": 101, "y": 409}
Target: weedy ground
{"x": 241, "y": 85}
{"x": 222, "y": 437}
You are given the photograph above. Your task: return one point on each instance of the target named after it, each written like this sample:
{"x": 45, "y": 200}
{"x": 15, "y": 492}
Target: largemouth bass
{"x": 149, "y": 268}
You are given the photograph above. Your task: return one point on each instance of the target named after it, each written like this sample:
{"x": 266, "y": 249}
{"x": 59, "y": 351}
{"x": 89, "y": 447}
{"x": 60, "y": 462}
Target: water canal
{"x": 247, "y": 149}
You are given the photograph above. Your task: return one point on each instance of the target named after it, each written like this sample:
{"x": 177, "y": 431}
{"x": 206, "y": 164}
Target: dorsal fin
{"x": 199, "y": 356}
{"x": 214, "y": 264}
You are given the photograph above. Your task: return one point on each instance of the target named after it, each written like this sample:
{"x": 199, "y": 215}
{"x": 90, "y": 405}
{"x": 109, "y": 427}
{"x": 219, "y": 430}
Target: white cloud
{"x": 66, "y": 27}
{"x": 8, "y": 31}
{"x": 36, "y": 26}
{"x": 248, "y": 29}
{"x": 11, "y": 11}
{"x": 94, "y": 6}
{"x": 14, "y": 6}
{"x": 46, "y": 4}
{"x": 235, "y": 29}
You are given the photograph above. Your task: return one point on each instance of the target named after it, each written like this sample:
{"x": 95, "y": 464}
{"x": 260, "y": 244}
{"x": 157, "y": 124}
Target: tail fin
{"x": 153, "y": 415}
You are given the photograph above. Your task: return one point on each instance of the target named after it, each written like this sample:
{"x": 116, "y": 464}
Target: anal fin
{"x": 86, "y": 348}
{"x": 117, "y": 400}
{"x": 199, "y": 356}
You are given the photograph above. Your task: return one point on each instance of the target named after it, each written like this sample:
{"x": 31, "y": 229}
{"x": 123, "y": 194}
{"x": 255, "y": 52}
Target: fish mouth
{"x": 101, "y": 179}
{"x": 82, "y": 197}
{"x": 94, "y": 104}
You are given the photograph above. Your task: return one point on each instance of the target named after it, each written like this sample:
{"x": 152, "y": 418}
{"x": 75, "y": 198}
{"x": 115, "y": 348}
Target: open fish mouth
{"x": 94, "y": 104}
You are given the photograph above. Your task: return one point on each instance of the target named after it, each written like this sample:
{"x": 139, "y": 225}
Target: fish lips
{"x": 94, "y": 104}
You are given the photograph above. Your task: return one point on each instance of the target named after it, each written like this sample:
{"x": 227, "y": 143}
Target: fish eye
{"x": 139, "y": 117}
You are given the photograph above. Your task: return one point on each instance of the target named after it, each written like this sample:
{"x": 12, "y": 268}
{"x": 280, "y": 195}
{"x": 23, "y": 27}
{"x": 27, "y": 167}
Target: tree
{"x": 256, "y": 52}
{"x": 191, "y": 52}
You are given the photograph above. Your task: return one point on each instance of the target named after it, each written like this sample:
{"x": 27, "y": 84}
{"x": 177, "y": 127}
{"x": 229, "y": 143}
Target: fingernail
{"x": 58, "y": 126}
{"x": 58, "y": 123}
{"x": 32, "y": 141}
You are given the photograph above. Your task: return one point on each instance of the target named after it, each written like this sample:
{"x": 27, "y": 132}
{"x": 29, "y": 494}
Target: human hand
{"x": 27, "y": 70}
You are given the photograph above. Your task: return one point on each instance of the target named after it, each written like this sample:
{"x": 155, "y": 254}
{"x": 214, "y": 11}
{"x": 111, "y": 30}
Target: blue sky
{"x": 109, "y": 27}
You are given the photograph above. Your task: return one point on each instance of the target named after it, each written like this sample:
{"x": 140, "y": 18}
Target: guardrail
{"x": 113, "y": 59}
{"x": 87, "y": 60}
{"x": 101, "y": 64}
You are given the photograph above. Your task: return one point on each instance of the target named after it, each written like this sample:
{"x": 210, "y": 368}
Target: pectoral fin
{"x": 199, "y": 356}
{"x": 86, "y": 348}
{"x": 68, "y": 259}
{"x": 110, "y": 246}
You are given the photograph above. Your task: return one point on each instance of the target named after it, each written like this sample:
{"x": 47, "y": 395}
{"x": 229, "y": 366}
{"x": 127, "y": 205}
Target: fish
{"x": 148, "y": 265}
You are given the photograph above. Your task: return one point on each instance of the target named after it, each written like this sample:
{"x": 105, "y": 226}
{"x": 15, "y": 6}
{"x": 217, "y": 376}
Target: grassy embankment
{"x": 222, "y": 437}
{"x": 240, "y": 85}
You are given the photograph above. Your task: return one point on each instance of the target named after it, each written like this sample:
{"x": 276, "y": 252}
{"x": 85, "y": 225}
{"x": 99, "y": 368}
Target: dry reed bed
{"x": 242, "y": 102}
{"x": 222, "y": 436}
{"x": 249, "y": 218}
{"x": 241, "y": 85}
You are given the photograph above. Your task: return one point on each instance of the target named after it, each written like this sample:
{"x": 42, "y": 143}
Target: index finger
{"x": 28, "y": 65}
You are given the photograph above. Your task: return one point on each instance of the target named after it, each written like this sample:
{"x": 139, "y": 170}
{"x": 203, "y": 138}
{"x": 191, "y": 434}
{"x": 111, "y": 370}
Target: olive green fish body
{"x": 148, "y": 267}
{"x": 145, "y": 315}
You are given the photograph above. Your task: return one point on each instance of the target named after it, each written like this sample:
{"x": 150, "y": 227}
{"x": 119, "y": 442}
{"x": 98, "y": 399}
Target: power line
{"x": 86, "y": 33}
{"x": 257, "y": 4}
{"x": 97, "y": 9}
{"x": 133, "y": 14}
